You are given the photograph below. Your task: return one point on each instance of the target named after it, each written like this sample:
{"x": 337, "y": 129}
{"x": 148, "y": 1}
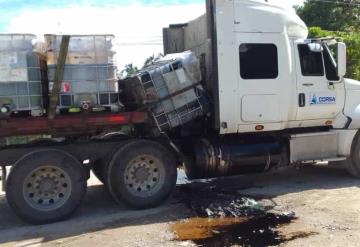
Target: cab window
{"x": 258, "y": 61}
{"x": 311, "y": 62}
{"x": 330, "y": 65}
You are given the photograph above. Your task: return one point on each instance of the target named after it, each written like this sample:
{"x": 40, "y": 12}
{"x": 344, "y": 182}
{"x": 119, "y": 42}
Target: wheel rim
{"x": 47, "y": 188}
{"x": 143, "y": 176}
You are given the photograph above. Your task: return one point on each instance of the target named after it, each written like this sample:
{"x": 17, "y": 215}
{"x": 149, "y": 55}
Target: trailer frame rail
{"x": 70, "y": 125}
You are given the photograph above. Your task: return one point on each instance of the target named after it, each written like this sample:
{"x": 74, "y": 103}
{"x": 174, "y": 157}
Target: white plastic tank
{"x": 22, "y": 76}
{"x": 171, "y": 85}
{"x": 90, "y": 80}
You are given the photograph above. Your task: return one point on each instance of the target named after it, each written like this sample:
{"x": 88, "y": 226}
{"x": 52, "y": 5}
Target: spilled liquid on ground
{"x": 230, "y": 231}
{"x": 202, "y": 228}
{"x": 220, "y": 216}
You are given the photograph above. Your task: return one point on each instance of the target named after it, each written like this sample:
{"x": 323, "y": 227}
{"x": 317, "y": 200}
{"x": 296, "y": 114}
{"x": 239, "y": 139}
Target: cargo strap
{"x": 59, "y": 75}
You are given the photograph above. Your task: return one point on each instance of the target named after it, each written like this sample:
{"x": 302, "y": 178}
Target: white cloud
{"x": 138, "y": 28}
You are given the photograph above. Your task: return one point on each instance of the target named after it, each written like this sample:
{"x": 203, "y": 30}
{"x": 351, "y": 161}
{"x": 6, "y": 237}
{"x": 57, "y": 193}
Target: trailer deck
{"x": 70, "y": 125}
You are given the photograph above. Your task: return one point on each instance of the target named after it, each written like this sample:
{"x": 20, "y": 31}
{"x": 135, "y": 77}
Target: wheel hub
{"x": 142, "y": 175}
{"x": 47, "y": 185}
{"x": 47, "y": 188}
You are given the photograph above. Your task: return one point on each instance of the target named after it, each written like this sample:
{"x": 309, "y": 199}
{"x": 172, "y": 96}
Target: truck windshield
{"x": 330, "y": 64}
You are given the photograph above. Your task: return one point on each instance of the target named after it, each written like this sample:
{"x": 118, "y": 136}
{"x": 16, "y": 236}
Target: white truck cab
{"x": 266, "y": 75}
{"x": 270, "y": 74}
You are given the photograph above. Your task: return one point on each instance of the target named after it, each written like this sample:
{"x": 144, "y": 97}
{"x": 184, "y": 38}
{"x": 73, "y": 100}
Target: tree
{"x": 149, "y": 61}
{"x": 333, "y": 15}
{"x": 131, "y": 69}
{"x": 128, "y": 70}
{"x": 152, "y": 59}
{"x": 342, "y": 18}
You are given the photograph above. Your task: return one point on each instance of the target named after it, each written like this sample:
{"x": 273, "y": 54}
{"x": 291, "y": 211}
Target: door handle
{"x": 302, "y": 100}
{"x": 331, "y": 85}
{"x": 308, "y": 84}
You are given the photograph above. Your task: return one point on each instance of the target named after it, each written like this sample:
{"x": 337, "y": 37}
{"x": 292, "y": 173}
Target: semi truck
{"x": 277, "y": 98}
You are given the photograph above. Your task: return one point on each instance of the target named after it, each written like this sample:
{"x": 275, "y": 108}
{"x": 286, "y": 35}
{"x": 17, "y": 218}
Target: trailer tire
{"x": 142, "y": 174}
{"x": 353, "y": 163}
{"x": 101, "y": 166}
{"x": 46, "y": 186}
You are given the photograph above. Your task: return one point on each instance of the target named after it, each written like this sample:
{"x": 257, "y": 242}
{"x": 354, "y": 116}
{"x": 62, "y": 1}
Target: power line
{"x": 137, "y": 44}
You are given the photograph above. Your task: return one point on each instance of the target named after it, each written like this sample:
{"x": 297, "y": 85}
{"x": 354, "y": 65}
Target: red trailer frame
{"x": 70, "y": 125}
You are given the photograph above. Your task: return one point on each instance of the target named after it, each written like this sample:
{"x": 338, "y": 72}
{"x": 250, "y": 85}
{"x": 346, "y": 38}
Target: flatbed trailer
{"x": 48, "y": 176}
{"x": 62, "y": 155}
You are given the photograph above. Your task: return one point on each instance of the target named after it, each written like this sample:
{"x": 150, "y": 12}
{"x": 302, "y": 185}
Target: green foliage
{"x": 152, "y": 59}
{"x": 129, "y": 69}
{"x": 149, "y": 61}
{"x": 341, "y": 15}
{"x": 352, "y": 40}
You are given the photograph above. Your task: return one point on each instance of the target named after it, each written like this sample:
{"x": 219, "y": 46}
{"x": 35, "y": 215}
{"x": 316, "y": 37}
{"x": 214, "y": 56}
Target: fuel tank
{"x": 220, "y": 157}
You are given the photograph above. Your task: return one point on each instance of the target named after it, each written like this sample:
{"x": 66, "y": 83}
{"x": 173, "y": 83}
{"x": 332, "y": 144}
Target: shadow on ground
{"x": 99, "y": 212}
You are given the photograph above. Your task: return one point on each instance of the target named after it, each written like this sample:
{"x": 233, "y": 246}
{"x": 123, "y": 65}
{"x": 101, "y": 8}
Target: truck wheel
{"x": 46, "y": 186}
{"x": 142, "y": 174}
{"x": 100, "y": 166}
{"x": 353, "y": 163}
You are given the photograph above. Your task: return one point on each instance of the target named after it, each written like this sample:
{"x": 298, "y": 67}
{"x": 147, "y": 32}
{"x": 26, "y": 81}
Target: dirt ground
{"x": 325, "y": 199}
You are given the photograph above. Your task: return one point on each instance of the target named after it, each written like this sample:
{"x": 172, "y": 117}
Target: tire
{"x": 46, "y": 186}
{"x": 101, "y": 166}
{"x": 191, "y": 171}
{"x": 142, "y": 174}
{"x": 353, "y": 163}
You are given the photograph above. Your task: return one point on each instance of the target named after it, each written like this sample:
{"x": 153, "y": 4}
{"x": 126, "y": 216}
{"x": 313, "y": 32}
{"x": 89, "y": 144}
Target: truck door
{"x": 260, "y": 77}
{"x": 321, "y": 98}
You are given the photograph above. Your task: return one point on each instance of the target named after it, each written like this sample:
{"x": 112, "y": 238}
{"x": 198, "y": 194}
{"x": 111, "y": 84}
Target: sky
{"x": 137, "y": 24}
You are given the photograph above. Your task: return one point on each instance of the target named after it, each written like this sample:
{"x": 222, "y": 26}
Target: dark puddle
{"x": 222, "y": 217}
{"x": 257, "y": 231}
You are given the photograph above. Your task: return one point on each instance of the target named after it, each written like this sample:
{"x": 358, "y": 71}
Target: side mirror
{"x": 341, "y": 59}
{"x": 315, "y": 47}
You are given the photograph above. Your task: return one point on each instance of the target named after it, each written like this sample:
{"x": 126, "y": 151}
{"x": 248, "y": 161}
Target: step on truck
{"x": 276, "y": 99}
